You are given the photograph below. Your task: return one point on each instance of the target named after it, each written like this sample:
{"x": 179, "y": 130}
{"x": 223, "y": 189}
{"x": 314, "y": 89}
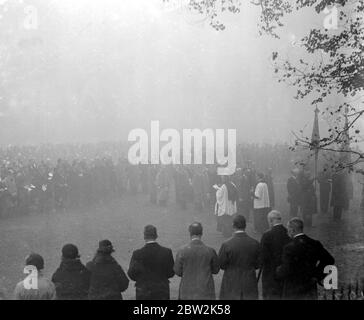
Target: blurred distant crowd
{"x": 55, "y": 177}
{"x": 51, "y": 177}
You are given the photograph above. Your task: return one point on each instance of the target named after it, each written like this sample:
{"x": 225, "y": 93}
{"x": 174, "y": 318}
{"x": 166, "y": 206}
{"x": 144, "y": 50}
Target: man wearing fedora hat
{"x": 151, "y": 267}
{"x": 72, "y": 278}
{"x": 108, "y": 279}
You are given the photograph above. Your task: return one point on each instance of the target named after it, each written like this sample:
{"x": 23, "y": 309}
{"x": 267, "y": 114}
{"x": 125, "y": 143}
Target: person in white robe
{"x": 226, "y": 206}
{"x": 261, "y": 205}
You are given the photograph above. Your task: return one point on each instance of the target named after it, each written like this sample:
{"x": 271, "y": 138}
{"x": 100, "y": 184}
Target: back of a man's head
{"x": 239, "y": 222}
{"x": 295, "y": 225}
{"x": 150, "y": 232}
{"x": 195, "y": 229}
{"x": 274, "y": 217}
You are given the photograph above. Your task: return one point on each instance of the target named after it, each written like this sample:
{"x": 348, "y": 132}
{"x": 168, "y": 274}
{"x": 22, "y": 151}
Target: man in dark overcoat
{"x": 272, "y": 243}
{"x": 151, "y": 267}
{"x": 239, "y": 258}
{"x": 294, "y": 193}
{"x": 196, "y": 264}
{"x": 303, "y": 263}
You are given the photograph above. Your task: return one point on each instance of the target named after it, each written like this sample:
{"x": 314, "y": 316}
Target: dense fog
{"x": 93, "y": 70}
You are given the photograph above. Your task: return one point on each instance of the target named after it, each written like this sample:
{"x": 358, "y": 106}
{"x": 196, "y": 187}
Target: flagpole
{"x": 316, "y": 160}
{"x": 316, "y": 141}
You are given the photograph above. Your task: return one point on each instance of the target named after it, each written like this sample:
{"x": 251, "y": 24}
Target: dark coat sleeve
{"x": 178, "y": 264}
{"x": 215, "y": 264}
{"x": 257, "y": 256}
{"x": 264, "y": 250}
{"x": 223, "y": 257}
{"x": 169, "y": 264}
{"x": 122, "y": 279}
{"x": 285, "y": 270}
{"x": 135, "y": 267}
{"x": 89, "y": 266}
{"x": 325, "y": 259}
{"x": 56, "y": 278}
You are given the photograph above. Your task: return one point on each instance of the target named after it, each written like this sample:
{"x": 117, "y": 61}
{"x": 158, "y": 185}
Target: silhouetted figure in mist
{"x": 294, "y": 193}
{"x": 309, "y": 201}
{"x": 339, "y": 195}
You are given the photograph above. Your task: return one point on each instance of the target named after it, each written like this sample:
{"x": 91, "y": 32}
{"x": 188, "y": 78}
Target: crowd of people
{"x": 335, "y": 189}
{"x": 290, "y": 263}
{"x": 291, "y": 266}
{"x": 47, "y": 178}
{"x": 252, "y": 194}
{"x": 53, "y": 177}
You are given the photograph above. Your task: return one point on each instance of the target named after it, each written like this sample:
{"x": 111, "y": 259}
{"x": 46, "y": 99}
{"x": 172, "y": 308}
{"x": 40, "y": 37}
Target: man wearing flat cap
{"x": 108, "y": 279}
{"x": 72, "y": 278}
{"x": 151, "y": 267}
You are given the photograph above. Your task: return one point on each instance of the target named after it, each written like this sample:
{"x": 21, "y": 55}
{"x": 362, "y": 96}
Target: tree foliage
{"x": 332, "y": 66}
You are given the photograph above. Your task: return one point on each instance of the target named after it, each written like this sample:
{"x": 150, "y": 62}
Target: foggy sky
{"x": 103, "y": 68}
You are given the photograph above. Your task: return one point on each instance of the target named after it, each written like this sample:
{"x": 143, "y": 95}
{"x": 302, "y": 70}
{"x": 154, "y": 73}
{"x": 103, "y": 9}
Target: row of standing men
{"x": 292, "y": 265}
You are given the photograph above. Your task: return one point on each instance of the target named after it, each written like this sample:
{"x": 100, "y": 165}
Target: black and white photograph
{"x": 201, "y": 151}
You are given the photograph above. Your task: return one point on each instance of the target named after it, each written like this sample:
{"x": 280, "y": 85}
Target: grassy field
{"x": 122, "y": 222}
